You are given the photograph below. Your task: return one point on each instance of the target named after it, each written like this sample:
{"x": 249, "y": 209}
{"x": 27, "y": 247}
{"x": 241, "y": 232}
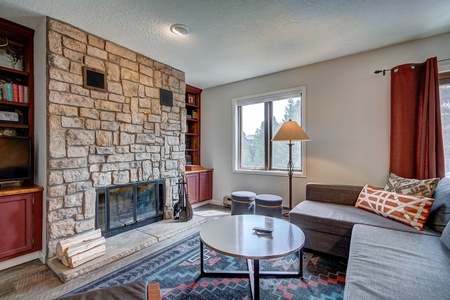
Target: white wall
{"x": 347, "y": 119}
{"x": 40, "y": 121}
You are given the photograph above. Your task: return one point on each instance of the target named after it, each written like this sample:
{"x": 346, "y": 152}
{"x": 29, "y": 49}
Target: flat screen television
{"x": 15, "y": 158}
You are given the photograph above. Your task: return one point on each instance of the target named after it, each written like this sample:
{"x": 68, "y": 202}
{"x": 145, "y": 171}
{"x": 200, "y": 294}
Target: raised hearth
{"x": 124, "y": 244}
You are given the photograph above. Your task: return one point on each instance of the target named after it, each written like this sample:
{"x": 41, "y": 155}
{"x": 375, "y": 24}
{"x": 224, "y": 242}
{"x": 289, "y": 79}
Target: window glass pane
{"x": 444, "y": 89}
{"x": 252, "y": 136}
{"x": 283, "y": 110}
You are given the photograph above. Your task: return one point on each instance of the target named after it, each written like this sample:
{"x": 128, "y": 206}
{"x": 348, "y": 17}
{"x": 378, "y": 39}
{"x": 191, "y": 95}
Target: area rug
{"x": 177, "y": 269}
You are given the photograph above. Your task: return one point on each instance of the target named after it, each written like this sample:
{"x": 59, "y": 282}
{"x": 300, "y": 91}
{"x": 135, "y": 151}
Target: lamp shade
{"x": 290, "y": 131}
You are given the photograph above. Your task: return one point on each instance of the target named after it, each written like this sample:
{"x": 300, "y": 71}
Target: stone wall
{"x": 97, "y": 138}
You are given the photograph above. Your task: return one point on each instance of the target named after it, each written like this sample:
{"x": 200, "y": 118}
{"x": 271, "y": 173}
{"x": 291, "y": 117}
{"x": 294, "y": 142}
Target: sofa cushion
{"x": 408, "y": 186}
{"x": 389, "y": 264}
{"x": 445, "y": 237}
{"x": 440, "y": 211}
{"x": 339, "y": 219}
{"x": 407, "y": 209}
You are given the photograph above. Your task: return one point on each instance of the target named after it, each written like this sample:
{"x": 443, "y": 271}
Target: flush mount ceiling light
{"x": 179, "y": 29}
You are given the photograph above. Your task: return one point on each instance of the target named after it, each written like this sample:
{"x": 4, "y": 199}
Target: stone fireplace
{"x": 106, "y": 140}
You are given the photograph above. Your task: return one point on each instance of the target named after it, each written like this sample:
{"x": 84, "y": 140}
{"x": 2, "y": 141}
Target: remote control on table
{"x": 262, "y": 230}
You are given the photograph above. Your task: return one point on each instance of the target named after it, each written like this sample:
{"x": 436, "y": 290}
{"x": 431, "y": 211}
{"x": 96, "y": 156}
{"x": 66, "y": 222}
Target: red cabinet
{"x": 205, "y": 185}
{"x": 199, "y": 185}
{"x": 193, "y": 185}
{"x": 20, "y": 221}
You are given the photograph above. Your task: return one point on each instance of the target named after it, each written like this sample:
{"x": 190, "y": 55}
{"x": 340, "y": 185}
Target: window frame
{"x": 444, "y": 78}
{"x": 236, "y": 130}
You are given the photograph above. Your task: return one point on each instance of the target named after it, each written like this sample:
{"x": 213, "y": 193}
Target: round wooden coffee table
{"x": 234, "y": 236}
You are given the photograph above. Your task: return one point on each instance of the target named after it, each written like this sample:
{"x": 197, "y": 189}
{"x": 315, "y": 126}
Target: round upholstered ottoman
{"x": 269, "y": 205}
{"x": 242, "y": 203}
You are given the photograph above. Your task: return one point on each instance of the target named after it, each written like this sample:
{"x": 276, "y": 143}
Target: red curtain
{"x": 417, "y": 149}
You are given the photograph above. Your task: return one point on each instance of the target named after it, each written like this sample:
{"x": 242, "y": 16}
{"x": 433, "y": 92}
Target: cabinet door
{"x": 193, "y": 187}
{"x": 205, "y": 186}
{"x": 16, "y": 224}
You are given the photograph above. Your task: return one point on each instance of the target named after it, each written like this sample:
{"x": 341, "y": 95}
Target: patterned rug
{"x": 177, "y": 269}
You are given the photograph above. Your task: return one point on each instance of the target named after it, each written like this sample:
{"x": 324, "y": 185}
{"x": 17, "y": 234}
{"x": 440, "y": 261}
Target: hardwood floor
{"x": 34, "y": 280}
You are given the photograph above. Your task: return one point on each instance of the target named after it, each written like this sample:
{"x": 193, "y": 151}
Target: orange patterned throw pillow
{"x": 407, "y": 209}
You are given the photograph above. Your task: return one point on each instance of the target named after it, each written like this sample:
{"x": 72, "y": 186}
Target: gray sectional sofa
{"x": 386, "y": 259}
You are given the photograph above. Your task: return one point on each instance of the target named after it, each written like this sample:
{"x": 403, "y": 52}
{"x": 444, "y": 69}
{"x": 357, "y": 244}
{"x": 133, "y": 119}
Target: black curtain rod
{"x": 388, "y": 70}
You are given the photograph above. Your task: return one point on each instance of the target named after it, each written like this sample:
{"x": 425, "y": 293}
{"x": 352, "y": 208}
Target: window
{"x": 256, "y": 120}
{"x": 444, "y": 91}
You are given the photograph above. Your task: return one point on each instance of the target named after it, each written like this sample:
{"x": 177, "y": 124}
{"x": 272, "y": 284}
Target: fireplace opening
{"x": 125, "y": 207}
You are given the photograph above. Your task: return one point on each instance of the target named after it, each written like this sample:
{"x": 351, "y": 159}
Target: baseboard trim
{"x": 212, "y": 201}
{"x": 20, "y": 260}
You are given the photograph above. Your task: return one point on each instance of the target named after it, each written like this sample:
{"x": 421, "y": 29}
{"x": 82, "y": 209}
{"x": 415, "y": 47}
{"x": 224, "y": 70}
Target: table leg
{"x": 256, "y": 279}
{"x": 300, "y": 258}
{"x": 253, "y": 277}
{"x": 202, "y": 270}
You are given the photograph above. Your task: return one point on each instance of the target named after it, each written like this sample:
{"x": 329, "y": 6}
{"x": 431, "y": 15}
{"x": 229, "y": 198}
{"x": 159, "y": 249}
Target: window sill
{"x": 283, "y": 173}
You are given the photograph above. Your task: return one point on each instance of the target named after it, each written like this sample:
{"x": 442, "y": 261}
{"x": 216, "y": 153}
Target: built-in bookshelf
{"x": 16, "y": 80}
{"x": 193, "y": 122}
{"x": 20, "y": 200}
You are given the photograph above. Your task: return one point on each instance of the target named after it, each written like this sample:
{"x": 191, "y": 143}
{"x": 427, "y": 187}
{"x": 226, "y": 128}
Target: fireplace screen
{"x": 120, "y": 208}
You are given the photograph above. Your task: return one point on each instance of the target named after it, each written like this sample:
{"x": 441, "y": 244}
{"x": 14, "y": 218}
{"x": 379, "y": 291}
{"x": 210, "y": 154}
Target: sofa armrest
{"x": 333, "y": 193}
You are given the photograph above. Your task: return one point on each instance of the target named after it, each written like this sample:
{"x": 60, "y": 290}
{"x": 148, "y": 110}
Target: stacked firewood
{"x": 82, "y": 248}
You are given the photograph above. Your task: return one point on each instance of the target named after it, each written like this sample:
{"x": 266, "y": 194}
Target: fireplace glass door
{"x": 146, "y": 201}
{"x": 120, "y": 208}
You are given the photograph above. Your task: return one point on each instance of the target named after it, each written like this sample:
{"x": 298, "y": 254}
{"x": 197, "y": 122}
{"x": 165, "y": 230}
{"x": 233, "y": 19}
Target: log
{"x": 85, "y": 246}
{"x": 86, "y": 256}
{"x": 63, "y": 259}
{"x": 61, "y": 246}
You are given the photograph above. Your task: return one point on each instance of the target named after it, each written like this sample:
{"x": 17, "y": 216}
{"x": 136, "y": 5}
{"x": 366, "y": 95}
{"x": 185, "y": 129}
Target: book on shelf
{"x": 15, "y": 87}
{"x": 20, "y": 92}
{"x": 9, "y": 92}
{"x": 14, "y": 92}
{"x": 26, "y": 94}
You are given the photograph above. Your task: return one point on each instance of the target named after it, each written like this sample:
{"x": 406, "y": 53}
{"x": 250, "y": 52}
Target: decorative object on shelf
{"x": 188, "y": 143}
{"x": 182, "y": 210}
{"x": 290, "y": 132}
{"x": 11, "y": 54}
{"x": 9, "y": 116}
{"x": 188, "y": 159}
{"x": 191, "y": 99}
{"x": 8, "y": 132}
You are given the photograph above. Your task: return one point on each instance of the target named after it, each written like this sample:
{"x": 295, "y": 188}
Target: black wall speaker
{"x": 166, "y": 97}
{"x": 94, "y": 79}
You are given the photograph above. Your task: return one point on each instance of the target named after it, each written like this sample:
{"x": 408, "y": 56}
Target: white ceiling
{"x": 231, "y": 40}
